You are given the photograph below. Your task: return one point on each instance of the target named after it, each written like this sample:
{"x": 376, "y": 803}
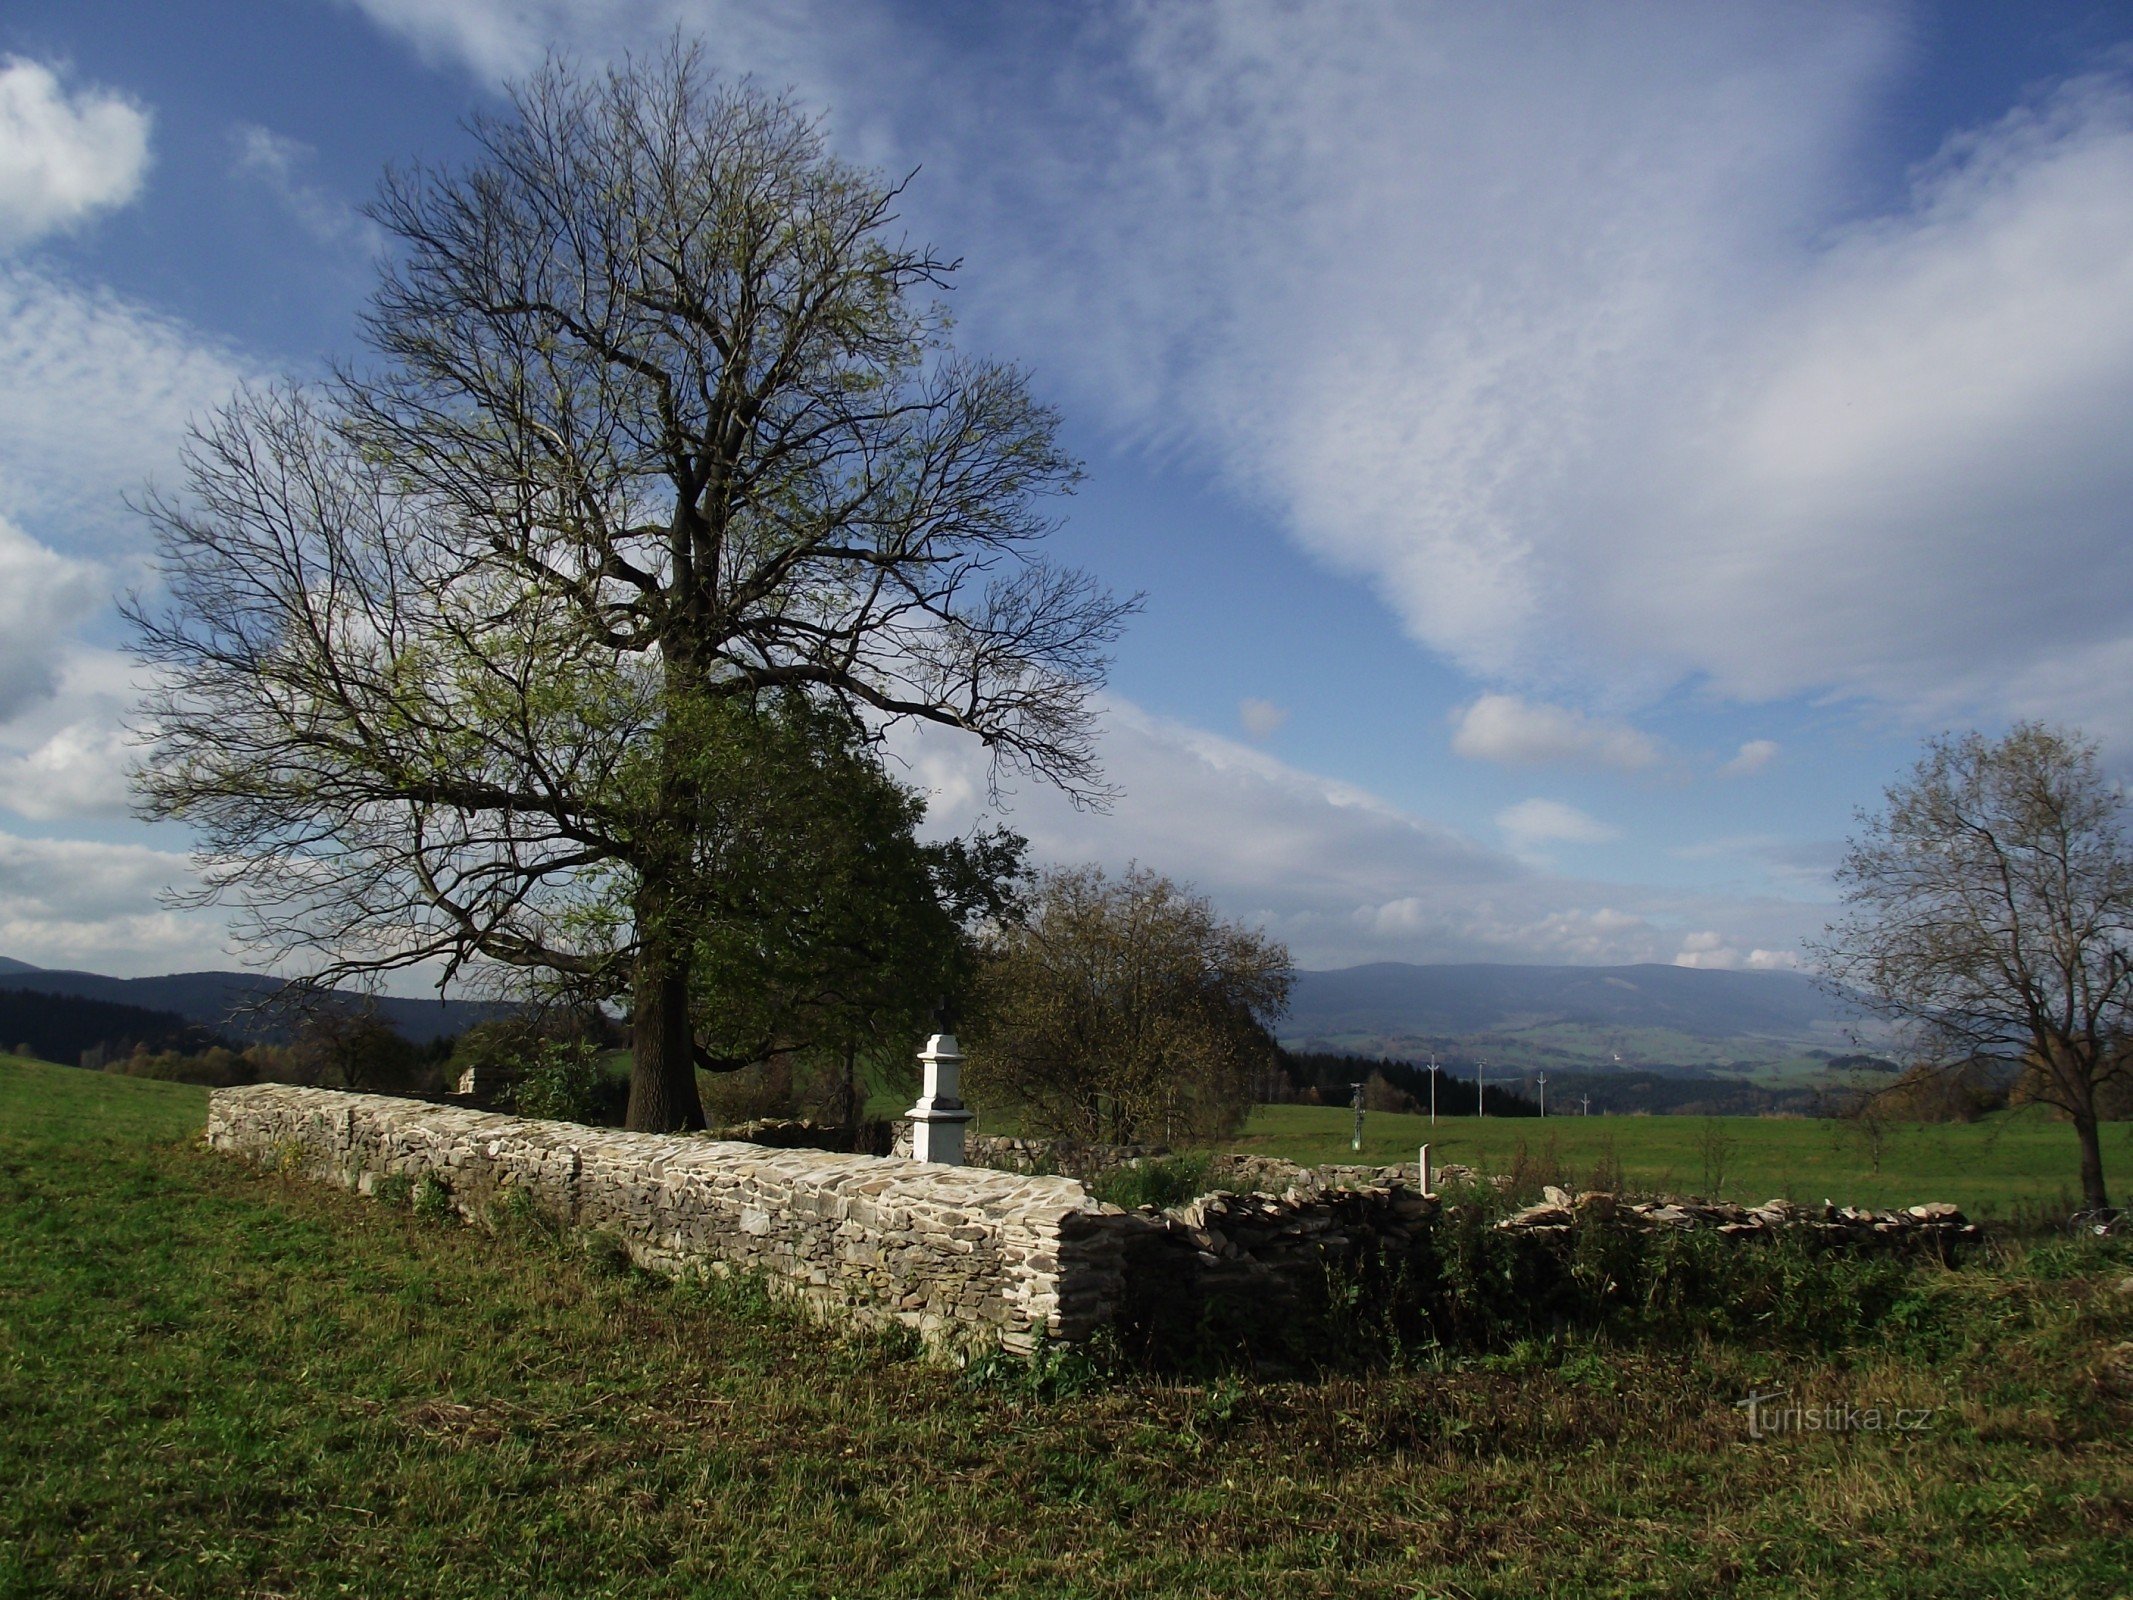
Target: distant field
{"x": 2015, "y": 1161}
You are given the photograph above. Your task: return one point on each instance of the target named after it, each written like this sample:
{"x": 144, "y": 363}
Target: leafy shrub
{"x": 1050, "y": 1372}
{"x": 432, "y": 1200}
{"x": 395, "y": 1189}
{"x": 562, "y": 1081}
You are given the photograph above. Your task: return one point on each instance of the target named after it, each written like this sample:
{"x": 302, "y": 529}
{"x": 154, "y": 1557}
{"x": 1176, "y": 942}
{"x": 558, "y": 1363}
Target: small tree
{"x": 1992, "y": 917}
{"x": 349, "y": 1046}
{"x": 1125, "y": 1010}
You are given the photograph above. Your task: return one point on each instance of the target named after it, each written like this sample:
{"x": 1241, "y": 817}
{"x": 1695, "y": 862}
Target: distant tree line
{"x": 61, "y": 1027}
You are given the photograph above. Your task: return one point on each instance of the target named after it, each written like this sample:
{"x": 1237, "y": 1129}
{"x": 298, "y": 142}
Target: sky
{"x": 1573, "y": 454}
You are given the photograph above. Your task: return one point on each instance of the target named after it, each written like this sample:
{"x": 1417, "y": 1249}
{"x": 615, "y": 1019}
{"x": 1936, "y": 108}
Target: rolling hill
{"x": 237, "y": 1005}
{"x": 1653, "y": 1017}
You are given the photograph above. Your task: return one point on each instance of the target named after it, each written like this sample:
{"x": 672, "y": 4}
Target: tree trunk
{"x": 2093, "y": 1194}
{"x": 663, "y": 1097}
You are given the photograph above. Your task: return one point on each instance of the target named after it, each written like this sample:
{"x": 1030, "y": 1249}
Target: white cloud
{"x": 1568, "y": 338}
{"x": 1262, "y": 719}
{"x": 43, "y": 595}
{"x": 1528, "y": 733}
{"x": 1339, "y": 873}
{"x": 1752, "y": 757}
{"x": 278, "y": 164}
{"x": 63, "y": 156}
{"x": 77, "y": 903}
{"x": 1711, "y": 950}
{"x": 68, "y": 758}
{"x": 97, "y": 396}
{"x": 1533, "y": 823}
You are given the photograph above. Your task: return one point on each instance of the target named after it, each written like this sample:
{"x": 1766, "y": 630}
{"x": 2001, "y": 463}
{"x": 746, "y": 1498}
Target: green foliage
{"x": 817, "y": 918}
{"x": 1049, "y": 1373}
{"x": 1162, "y": 1182}
{"x": 432, "y": 1199}
{"x": 563, "y": 1080}
{"x": 395, "y": 1190}
{"x": 1124, "y": 1011}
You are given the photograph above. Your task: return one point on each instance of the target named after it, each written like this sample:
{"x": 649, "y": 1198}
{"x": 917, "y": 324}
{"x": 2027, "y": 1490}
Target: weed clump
{"x": 1161, "y": 1182}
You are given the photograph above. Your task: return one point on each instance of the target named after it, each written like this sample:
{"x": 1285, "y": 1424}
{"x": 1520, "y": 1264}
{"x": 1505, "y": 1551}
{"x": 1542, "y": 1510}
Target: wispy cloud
{"x": 65, "y": 154}
{"x": 1262, "y": 719}
{"x": 1752, "y": 757}
{"x": 280, "y": 165}
{"x": 1340, "y": 873}
{"x": 1527, "y": 733}
{"x": 80, "y": 903}
{"x": 1531, "y": 825}
{"x": 97, "y": 396}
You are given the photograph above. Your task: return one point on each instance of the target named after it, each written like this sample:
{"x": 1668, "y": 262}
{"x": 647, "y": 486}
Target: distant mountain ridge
{"x": 235, "y": 1004}
{"x": 1480, "y": 997}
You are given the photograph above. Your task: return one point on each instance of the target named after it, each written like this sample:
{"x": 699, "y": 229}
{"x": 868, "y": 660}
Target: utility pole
{"x": 1544, "y": 1096}
{"x": 1433, "y": 1088}
{"x": 1585, "y": 1100}
{"x": 1357, "y": 1101}
{"x": 1481, "y": 1089}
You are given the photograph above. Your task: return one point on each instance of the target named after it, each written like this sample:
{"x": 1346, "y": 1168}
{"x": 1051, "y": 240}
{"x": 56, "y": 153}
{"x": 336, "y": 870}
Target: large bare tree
{"x": 473, "y": 653}
{"x": 1991, "y": 914}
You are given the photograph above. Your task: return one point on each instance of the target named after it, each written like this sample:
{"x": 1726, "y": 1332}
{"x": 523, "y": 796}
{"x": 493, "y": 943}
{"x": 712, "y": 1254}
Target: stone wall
{"x": 1238, "y": 1173}
{"x": 960, "y": 1254}
{"x": 965, "y": 1255}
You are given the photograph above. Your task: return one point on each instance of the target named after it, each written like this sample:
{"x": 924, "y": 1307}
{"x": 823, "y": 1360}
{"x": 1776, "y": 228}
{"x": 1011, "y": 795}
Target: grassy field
{"x": 219, "y": 1383}
{"x": 2014, "y": 1163}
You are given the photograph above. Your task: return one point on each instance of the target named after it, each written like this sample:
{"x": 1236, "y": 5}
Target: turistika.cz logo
{"x": 1771, "y": 1414}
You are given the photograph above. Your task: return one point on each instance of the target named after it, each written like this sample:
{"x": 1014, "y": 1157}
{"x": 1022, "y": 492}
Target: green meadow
{"x": 217, "y": 1382}
{"x": 2017, "y": 1163}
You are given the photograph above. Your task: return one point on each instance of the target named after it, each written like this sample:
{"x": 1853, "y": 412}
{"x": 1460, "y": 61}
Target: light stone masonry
{"x": 963, "y": 1255}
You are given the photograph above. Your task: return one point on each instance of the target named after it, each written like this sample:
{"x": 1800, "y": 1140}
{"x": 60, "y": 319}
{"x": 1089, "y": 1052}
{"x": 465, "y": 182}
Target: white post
{"x": 1424, "y": 1165}
{"x": 938, "y": 1119}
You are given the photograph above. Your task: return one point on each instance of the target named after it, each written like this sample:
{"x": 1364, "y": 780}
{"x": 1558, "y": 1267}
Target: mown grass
{"x": 217, "y": 1382}
{"x": 2009, "y": 1163}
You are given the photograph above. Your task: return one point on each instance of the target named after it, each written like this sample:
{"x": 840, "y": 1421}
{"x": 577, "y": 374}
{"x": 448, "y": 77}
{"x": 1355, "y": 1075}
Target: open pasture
{"x": 2019, "y": 1163}
{"x": 217, "y": 1382}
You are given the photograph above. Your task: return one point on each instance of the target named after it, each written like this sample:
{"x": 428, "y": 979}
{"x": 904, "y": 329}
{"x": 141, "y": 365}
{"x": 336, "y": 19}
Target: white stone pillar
{"x": 938, "y": 1118}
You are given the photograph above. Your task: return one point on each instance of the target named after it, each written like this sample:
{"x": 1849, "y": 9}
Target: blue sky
{"x": 1573, "y": 454}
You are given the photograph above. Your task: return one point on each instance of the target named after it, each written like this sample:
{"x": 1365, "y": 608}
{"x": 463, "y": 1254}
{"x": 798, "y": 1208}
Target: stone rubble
{"x": 1558, "y": 1210}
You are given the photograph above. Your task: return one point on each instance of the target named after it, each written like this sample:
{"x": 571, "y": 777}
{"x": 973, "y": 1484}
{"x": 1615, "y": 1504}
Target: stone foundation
{"x": 960, "y": 1254}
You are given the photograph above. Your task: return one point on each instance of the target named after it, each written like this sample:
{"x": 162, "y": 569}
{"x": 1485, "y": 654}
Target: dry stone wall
{"x": 960, "y": 1254}
{"x": 965, "y": 1255}
{"x": 1233, "y": 1172}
